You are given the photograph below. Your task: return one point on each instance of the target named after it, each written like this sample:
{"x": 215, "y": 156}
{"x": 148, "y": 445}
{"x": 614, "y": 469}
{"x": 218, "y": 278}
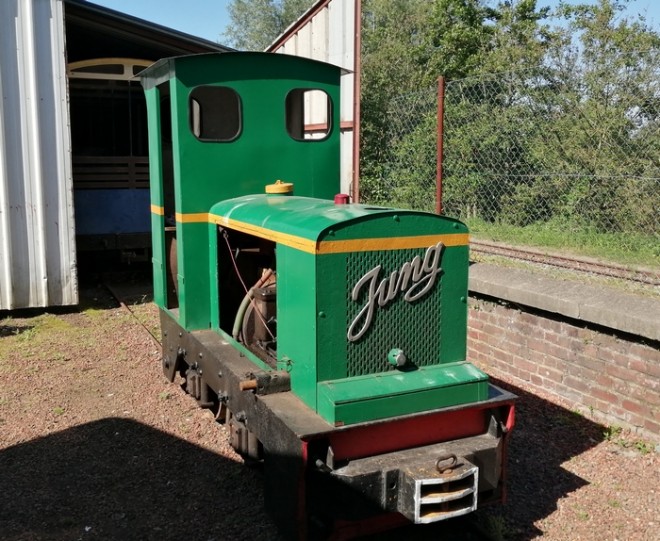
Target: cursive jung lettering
{"x": 414, "y": 279}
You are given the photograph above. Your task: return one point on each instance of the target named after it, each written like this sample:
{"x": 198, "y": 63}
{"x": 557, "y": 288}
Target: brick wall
{"x": 592, "y": 369}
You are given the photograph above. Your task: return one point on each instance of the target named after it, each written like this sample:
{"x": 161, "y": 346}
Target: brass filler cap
{"x": 280, "y": 188}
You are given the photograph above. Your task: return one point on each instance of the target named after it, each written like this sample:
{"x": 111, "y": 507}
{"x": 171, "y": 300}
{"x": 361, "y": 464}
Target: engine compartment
{"x": 247, "y": 288}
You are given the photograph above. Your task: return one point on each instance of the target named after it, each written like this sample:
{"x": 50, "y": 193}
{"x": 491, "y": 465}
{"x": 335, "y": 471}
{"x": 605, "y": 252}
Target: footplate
{"x": 433, "y": 494}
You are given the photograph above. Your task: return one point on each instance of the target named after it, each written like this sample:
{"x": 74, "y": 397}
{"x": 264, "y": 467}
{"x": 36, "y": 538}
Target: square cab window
{"x": 215, "y": 113}
{"x": 308, "y": 114}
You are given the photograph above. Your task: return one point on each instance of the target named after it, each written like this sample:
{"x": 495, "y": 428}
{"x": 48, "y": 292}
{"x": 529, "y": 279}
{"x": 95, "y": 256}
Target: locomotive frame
{"x": 331, "y": 337}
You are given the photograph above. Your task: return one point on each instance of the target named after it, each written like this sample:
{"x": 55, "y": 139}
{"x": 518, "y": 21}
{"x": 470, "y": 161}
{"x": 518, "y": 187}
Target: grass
{"x": 622, "y": 248}
{"x": 492, "y": 526}
{"x": 582, "y": 515}
{"x": 38, "y": 338}
{"x": 614, "y": 434}
{"x": 27, "y": 335}
{"x": 144, "y": 313}
{"x": 94, "y": 313}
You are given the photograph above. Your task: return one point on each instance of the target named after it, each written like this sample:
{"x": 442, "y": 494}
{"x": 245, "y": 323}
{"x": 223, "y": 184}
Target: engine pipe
{"x": 249, "y": 296}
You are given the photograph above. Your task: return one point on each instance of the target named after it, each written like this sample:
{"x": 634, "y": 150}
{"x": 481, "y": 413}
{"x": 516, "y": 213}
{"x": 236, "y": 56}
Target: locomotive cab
{"x": 223, "y": 125}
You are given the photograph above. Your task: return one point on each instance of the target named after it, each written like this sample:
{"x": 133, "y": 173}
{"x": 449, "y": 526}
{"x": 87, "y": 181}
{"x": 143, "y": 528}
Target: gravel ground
{"x": 96, "y": 445}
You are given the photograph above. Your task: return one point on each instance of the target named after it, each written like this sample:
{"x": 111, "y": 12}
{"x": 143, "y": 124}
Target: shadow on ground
{"x": 104, "y": 289}
{"x": 13, "y": 330}
{"x": 117, "y": 479}
{"x": 545, "y": 437}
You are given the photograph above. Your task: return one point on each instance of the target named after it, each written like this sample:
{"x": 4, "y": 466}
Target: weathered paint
{"x": 379, "y": 396}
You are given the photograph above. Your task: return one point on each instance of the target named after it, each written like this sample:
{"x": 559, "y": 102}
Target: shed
{"x": 68, "y": 134}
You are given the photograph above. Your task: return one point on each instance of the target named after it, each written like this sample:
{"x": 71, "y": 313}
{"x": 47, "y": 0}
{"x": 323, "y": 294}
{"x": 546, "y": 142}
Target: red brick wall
{"x": 617, "y": 378}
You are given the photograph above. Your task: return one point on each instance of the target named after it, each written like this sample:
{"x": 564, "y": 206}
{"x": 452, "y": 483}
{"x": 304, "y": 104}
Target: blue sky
{"x": 203, "y": 18}
{"x": 208, "y": 18}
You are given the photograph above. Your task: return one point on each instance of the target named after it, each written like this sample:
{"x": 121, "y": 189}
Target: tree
{"x": 492, "y": 119}
{"x": 458, "y": 35}
{"x": 256, "y": 23}
{"x": 407, "y": 44}
{"x": 605, "y": 134}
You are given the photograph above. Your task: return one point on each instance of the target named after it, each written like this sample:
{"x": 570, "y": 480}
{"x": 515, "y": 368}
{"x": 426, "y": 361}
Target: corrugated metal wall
{"x": 327, "y": 33}
{"x": 37, "y": 246}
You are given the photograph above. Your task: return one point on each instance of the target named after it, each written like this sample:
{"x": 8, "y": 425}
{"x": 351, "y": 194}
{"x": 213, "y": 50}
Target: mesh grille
{"x": 412, "y": 327}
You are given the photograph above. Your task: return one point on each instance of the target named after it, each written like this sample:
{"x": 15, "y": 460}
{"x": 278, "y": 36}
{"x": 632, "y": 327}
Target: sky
{"x": 202, "y": 18}
{"x": 209, "y": 18}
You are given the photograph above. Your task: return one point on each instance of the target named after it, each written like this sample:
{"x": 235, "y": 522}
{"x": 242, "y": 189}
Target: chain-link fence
{"x": 410, "y": 167}
{"x": 533, "y": 160}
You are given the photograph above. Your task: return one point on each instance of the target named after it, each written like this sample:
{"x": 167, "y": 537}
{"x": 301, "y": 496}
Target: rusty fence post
{"x": 440, "y": 145}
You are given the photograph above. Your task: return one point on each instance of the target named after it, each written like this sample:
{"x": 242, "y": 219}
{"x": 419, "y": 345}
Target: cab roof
{"x": 238, "y": 65}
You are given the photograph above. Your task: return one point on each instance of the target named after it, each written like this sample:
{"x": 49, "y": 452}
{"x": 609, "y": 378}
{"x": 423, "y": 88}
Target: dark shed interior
{"x": 105, "y": 50}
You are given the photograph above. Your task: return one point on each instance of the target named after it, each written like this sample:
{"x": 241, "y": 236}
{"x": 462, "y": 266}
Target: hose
{"x": 240, "y": 314}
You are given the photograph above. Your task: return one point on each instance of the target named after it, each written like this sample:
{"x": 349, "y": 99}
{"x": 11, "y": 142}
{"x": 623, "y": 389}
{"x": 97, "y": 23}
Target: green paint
{"x": 297, "y": 331}
{"x": 206, "y": 172}
{"x": 317, "y": 219}
{"x": 367, "y": 398}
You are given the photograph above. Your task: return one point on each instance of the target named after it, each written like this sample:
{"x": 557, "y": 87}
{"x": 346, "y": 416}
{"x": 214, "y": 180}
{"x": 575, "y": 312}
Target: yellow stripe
{"x": 299, "y": 243}
{"x": 191, "y": 218}
{"x": 155, "y": 209}
{"x": 324, "y": 247}
{"x": 395, "y": 243}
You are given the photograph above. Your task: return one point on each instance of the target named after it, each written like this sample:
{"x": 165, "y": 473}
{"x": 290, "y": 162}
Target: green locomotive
{"x": 330, "y": 336}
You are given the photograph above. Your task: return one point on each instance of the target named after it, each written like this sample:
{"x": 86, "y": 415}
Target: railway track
{"x": 123, "y": 296}
{"x": 578, "y": 264}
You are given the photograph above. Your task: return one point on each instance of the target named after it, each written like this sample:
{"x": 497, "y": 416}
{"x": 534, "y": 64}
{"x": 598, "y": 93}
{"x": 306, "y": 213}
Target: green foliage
{"x": 256, "y": 23}
{"x": 550, "y": 129}
{"x": 552, "y": 118}
{"x": 453, "y": 44}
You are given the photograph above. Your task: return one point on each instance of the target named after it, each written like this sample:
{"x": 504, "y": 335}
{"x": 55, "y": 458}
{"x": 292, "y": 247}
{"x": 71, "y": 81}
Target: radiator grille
{"x": 413, "y": 327}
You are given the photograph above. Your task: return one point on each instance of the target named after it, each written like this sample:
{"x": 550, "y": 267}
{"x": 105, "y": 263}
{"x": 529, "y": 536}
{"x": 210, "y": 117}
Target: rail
{"x": 573, "y": 263}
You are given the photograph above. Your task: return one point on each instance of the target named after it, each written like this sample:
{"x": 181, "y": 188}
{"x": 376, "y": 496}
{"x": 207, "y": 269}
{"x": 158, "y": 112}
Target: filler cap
{"x": 280, "y": 188}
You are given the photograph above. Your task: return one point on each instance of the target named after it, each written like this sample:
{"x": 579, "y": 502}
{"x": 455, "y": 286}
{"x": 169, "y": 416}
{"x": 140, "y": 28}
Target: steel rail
{"x": 586, "y": 265}
{"x": 124, "y": 306}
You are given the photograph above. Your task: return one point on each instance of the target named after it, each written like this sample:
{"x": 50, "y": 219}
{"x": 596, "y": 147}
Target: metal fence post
{"x": 440, "y": 141}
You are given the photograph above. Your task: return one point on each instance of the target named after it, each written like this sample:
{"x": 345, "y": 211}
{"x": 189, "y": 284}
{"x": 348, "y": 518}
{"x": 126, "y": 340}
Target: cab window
{"x": 215, "y": 113}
